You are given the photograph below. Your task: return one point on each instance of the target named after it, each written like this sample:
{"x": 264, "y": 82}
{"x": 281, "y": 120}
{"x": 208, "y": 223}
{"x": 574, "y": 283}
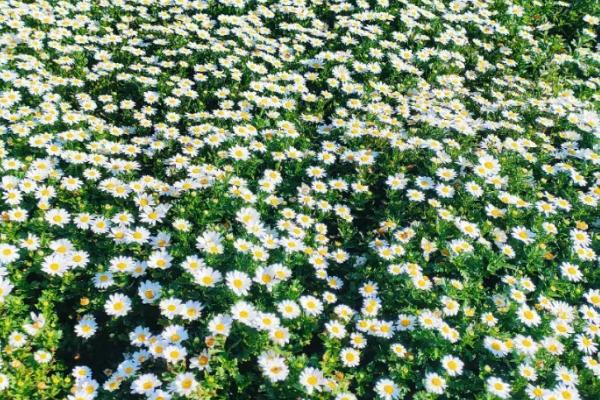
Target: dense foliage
{"x": 233, "y": 199}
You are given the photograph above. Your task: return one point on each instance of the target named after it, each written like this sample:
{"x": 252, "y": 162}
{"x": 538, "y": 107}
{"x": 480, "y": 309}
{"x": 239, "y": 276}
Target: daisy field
{"x": 299, "y": 199}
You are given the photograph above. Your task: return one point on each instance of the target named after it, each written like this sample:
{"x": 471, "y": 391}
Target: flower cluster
{"x": 213, "y": 199}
